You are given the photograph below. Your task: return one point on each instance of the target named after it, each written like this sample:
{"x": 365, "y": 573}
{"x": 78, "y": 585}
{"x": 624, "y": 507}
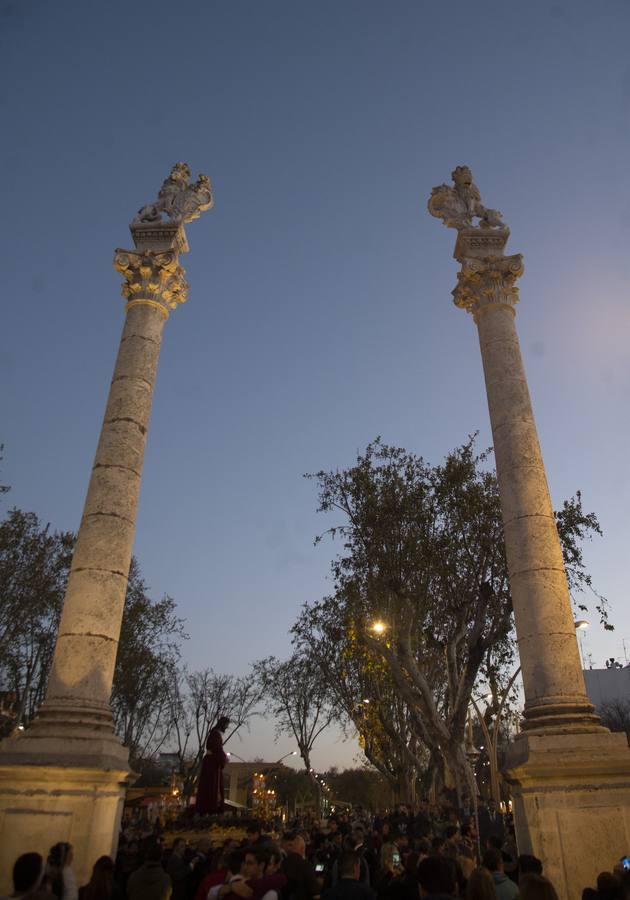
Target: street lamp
{"x": 378, "y": 627}
{"x": 292, "y": 753}
{"x": 230, "y": 754}
{"x": 581, "y": 625}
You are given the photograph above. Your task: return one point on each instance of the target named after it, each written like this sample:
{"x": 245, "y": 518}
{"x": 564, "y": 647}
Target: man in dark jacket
{"x": 349, "y": 887}
{"x": 302, "y": 882}
{"x": 150, "y": 881}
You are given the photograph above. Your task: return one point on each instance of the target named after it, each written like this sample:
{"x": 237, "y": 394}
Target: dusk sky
{"x": 320, "y": 313}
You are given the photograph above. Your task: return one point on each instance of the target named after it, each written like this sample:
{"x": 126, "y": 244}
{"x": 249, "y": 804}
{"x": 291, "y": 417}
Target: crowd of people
{"x": 431, "y": 852}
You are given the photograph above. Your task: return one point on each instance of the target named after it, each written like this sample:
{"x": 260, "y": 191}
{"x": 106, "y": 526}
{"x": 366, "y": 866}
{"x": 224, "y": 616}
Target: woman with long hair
{"x": 101, "y": 885}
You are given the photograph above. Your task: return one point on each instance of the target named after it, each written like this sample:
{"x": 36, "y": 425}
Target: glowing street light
{"x": 286, "y": 755}
{"x": 378, "y": 627}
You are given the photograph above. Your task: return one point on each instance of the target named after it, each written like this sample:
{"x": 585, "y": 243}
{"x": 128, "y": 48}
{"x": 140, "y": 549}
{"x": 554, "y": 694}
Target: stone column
{"x": 555, "y": 693}
{"x": 570, "y": 777}
{"x": 64, "y": 779}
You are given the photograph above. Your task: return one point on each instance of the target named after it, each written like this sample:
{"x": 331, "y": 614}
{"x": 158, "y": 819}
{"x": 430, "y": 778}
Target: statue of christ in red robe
{"x": 210, "y": 799}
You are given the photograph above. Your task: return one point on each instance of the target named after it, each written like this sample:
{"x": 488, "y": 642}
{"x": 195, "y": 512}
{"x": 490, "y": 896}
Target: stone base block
{"x": 52, "y": 790}
{"x": 571, "y": 795}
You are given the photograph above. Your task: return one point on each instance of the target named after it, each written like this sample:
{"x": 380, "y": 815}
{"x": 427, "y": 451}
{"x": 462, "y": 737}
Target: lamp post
{"x": 581, "y": 625}
{"x": 286, "y": 756}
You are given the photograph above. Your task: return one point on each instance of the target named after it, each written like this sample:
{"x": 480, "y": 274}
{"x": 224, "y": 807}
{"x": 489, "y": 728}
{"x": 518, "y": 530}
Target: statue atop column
{"x": 457, "y": 206}
{"x": 178, "y": 200}
{"x": 486, "y": 275}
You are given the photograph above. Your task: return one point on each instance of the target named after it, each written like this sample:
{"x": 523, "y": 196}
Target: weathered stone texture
{"x": 65, "y": 777}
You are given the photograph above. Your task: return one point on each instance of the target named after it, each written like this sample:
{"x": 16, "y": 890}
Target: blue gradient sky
{"x": 320, "y": 311}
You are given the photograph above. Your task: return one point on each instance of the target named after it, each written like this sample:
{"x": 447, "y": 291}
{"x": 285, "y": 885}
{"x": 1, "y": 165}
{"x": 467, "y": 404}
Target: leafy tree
{"x": 292, "y": 788}
{"x": 361, "y": 787}
{"x": 34, "y": 566}
{"x": 367, "y": 699}
{"x": 423, "y": 551}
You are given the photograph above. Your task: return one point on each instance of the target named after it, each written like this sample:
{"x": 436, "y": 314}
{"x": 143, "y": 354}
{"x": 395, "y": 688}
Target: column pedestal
{"x": 43, "y": 804}
{"x": 571, "y": 796}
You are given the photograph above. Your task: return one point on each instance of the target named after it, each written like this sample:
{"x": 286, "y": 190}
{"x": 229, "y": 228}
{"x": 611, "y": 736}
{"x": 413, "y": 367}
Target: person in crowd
{"x": 28, "y": 876}
{"x": 261, "y": 871}
{"x": 505, "y": 888}
{"x": 210, "y": 798}
{"x": 528, "y": 865}
{"x": 302, "y": 882}
{"x": 437, "y": 878}
{"x": 216, "y": 875}
{"x": 201, "y": 864}
{"x": 233, "y": 876}
{"x": 352, "y": 841}
{"x": 127, "y": 861}
{"x": 422, "y": 822}
{"x": 59, "y": 872}
{"x": 480, "y": 885}
{"x": 256, "y": 835}
{"x": 178, "y": 869}
{"x": 349, "y": 885}
{"x": 102, "y": 885}
{"x": 490, "y": 822}
{"x": 536, "y": 887}
{"x": 609, "y": 887}
{"x": 389, "y": 870}
{"x": 467, "y": 844}
{"x": 150, "y": 881}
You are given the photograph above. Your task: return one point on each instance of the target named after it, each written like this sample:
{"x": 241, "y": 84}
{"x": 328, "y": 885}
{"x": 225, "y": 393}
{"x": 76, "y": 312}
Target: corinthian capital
{"x": 153, "y": 278}
{"x": 488, "y": 282}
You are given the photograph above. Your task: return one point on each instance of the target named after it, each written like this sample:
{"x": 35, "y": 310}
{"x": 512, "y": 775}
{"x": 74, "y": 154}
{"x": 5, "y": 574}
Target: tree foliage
{"x": 34, "y": 566}
{"x": 423, "y": 551}
{"x": 366, "y": 696}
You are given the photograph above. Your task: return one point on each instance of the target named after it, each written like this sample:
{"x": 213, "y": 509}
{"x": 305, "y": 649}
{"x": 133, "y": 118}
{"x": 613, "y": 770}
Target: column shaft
{"x": 551, "y": 666}
{"x": 85, "y": 655}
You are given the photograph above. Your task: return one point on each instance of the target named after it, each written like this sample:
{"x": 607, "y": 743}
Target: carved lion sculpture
{"x": 178, "y": 200}
{"x": 457, "y": 206}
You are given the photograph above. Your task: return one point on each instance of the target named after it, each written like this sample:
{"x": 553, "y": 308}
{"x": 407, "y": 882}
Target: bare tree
{"x": 303, "y": 706}
{"x": 197, "y": 701}
{"x": 616, "y": 715}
